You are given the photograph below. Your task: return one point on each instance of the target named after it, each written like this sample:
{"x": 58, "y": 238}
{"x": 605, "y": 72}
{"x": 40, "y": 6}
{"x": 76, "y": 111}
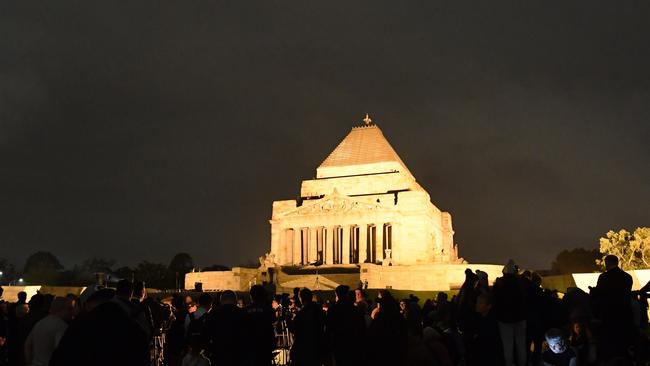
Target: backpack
{"x": 195, "y": 328}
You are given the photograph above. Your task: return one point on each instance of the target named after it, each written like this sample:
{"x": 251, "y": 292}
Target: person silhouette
{"x": 613, "y": 307}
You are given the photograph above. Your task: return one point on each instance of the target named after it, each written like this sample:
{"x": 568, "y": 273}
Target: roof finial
{"x": 367, "y": 120}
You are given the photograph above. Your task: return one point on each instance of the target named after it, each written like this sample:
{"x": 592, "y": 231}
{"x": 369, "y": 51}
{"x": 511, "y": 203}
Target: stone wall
{"x": 425, "y": 277}
{"x": 237, "y": 279}
{"x": 585, "y": 280}
{"x": 11, "y": 292}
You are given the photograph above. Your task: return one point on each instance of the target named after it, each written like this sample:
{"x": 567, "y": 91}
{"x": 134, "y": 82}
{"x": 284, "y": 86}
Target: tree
{"x": 578, "y": 260}
{"x": 42, "y": 268}
{"x": 84, "y": 274}
{"x": 154, "y": 275}
{"x": 632, "y": 249}
{"x": 8, "y": 271}
{"x": 179, "y": 266}
{"x": 124, "y": 273}
{"x": 181, "y": 263}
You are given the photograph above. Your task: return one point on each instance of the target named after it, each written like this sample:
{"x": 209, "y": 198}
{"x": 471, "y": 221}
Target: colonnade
{"x": 339, "y": 244}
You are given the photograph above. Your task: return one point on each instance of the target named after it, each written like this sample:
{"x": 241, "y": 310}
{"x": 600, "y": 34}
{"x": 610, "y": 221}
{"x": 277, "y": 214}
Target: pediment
{"x": 334, "y": 204}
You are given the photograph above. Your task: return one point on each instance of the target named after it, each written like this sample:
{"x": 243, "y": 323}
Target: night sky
{"x": 136, "y": 130}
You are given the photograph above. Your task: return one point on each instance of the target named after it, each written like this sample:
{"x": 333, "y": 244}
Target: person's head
{"x": 510, "y": 268}
{"x": 37, "y": 303}
{"x": 470, "y": 277}
{"x": 258, "y": 294}
{"x": 403, "y": 305}
{"x": 577, "y": 328}
{"x": 341, "y": 292}
{"x": 611, "y": 261}
{"x": 359, "y": 295}
{"x": 483, "y": 304}
{"x": 188, "y": 300}
{"x": 228, "y": 297}
{"x": 536, "y": 279}
{"x": 97, "y": 298}
{"x": 276, "y": 302}
{"x": 556, "y": 340}
{"x": 62, "y": 307}
{"x": 124, "y": 289}
{"x": 482, "y": 278}
{"x": 1, "y": 291}
{"x": 441, "y": 297}
{"x": 22, "y": 297}
{"x": 306, "y": 296}
{"x": 205, "y": 301}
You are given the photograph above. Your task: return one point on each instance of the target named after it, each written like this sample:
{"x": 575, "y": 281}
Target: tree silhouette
{"x": 154, "y": 275}
{"x": 42, "y": 268}
{"x": 8, "y": 271}
{"x": 179, "y": 266}
{"x": 578, "y": 260}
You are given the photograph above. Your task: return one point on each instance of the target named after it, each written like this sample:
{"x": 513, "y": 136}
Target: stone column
{"x": 395, "y": 253}
{"x": 312, "y": 244}
{"x": 379, "y": 230}
{"x": 329, "y": 245}
{"x": 363, "y": 234}
{"x": 287, "y": 244}
{"x": 277, "y": 244}
{"x": 346, "y": 244}
{"x": 296, "y": 245}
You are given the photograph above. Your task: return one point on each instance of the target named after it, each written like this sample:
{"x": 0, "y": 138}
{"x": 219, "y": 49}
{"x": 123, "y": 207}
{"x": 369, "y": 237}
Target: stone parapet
{"x": 237, "y": 279}
{"x": 424, "y": 277}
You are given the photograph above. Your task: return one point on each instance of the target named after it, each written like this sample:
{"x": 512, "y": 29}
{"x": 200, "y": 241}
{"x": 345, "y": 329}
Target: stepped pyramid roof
{"x": 366, "y": 148}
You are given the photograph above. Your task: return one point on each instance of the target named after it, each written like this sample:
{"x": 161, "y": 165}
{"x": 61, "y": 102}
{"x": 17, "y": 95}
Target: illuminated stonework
{"x": 364, "y": 206}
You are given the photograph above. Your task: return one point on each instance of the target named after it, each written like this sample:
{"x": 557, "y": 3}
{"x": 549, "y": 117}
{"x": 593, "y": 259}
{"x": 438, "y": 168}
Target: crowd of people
{"x": 513, "y": 322}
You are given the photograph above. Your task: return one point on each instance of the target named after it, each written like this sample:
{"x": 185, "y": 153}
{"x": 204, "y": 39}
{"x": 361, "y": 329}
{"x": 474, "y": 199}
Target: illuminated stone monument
{"x": 363, "y": 220}
{"x": 364, "y": 206}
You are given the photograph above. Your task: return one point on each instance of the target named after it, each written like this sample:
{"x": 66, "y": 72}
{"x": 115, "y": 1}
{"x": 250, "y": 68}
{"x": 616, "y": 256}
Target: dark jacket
{"x": 308, "y": 329}
{"x": 613, "y": 296}
{"x": 345, "y": 331}
{"x": 509, "y": 299}
{"x": 223, "y": 335}
{"x": 105, "y": 336}
{"x": 487, "y": 349}
{"x": 259, "y": 340}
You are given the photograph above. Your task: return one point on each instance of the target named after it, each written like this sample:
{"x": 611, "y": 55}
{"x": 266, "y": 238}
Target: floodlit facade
{"x": 366, "y": 220}
{"x": 364, "y": 206}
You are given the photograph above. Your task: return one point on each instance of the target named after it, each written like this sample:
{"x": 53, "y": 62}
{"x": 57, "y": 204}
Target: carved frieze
{"x": 334, "y": 205}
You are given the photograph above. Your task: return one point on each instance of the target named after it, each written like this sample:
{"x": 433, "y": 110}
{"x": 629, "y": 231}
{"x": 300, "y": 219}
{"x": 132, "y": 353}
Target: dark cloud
{"x": 139, "y": 130}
